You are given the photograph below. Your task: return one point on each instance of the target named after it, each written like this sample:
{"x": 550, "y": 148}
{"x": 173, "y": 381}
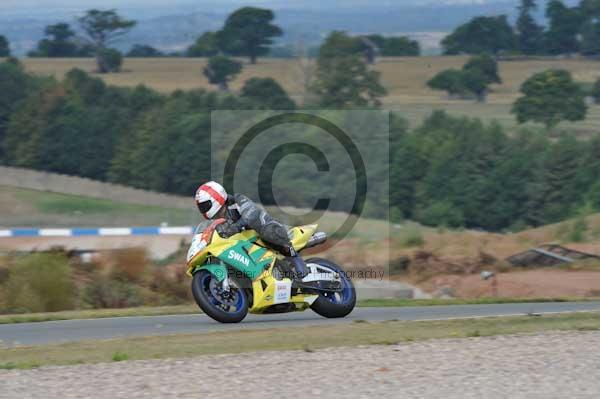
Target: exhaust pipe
{"x": 317, "y": 239}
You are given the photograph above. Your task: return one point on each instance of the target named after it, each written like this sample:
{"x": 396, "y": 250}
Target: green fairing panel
{"x": 216, "y": 269}
{"x": 237, "y": 256}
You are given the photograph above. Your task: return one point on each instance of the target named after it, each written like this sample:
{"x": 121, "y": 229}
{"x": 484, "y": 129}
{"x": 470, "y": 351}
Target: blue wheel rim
{"x": 344, "y": 296}
{"x": 218, "y": 304}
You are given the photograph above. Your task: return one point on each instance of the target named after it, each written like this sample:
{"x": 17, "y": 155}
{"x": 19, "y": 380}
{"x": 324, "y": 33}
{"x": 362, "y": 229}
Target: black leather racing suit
{"x": 242, "y": 213}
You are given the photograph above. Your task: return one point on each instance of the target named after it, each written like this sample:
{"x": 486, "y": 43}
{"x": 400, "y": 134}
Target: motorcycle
{"x": 232, "y": 276}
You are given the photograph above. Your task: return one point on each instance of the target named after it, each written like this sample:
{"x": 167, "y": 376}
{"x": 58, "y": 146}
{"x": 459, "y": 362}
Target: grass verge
{"x": 308, "y": 339}
{"x": 98, "y": 314}
{"x": 191, "y": 309}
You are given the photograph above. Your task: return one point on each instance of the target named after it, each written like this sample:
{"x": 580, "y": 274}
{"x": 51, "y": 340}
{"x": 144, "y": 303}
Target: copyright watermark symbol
{"x": 325, "y": 167}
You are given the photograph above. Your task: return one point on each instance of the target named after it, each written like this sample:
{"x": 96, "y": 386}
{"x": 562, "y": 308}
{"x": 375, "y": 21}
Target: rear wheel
{"x": 225, "y": 306}
{"x": 334, "y": 304}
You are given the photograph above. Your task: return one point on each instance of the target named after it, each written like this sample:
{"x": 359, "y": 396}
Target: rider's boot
{"x": 299, "y": 269}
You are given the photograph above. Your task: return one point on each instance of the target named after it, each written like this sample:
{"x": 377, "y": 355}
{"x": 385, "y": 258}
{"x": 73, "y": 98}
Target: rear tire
{"x": 214, "y": 306}
{"x": 334, "y": 306}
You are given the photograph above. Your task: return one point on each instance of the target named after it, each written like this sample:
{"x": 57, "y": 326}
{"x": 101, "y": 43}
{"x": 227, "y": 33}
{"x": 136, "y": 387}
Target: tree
{"x": 143, "y": 50}
{"x": 102, "y": 28}
{"x": 267, "y": 93}
{"x": 487, "y": 65}
{"x": 249, "y": 32}
{"x": 112, "y": 59}
{"x": 4, "y": 47}
{"x": 481, "y": 35}
{"x": 59, "y": 42}
{"x": 339, "y": 44}
{"x": 590, "y": 38}
{"x": 550, "y": 97}
{"x": 476, "y": 81}
{"x": 205, "y": 46}
{"x": 400, "y": 47}
{"x": 449, "y": 80}
{"x": 378, "y": 40}
{"x": 220, "y": 70}
{"x": 590, "y": 29}
{"x": 563, "y": 31}
{"x": 557, "y": 186}
{"x": 530, "y": 35}
{"x": 473, "y": 79}
{"x": 15, "y": 86}
{"x": 342, "y": 77}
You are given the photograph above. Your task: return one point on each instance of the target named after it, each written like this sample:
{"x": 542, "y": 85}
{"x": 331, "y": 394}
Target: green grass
{"x": 307, "y": 339}
{"x": 119, "y": 357}
{"x": 18, "y": 366}
{"x": 98, "y": 314}
{"x": 193, "y": 309}
{"x": 24, "y": 207}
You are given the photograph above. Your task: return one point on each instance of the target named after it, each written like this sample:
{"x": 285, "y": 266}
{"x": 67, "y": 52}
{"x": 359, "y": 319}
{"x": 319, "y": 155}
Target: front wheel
{"x": 338, "y": 304}
{"x": 223, "y": 305}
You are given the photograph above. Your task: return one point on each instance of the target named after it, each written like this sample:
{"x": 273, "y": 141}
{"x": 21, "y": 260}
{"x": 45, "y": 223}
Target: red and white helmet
{"x": 210, "y": 198}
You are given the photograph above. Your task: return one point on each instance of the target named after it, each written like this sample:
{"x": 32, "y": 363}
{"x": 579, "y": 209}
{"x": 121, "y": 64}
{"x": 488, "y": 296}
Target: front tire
{"x": 339, "y": 304}
{"x": 224, "y": 307}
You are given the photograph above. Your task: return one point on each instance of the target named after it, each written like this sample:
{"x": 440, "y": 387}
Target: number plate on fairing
{"x": 283, "y": 290}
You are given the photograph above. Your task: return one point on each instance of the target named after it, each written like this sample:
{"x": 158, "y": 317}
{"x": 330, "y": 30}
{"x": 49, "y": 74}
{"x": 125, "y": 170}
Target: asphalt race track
{"x": 76, "y": 330}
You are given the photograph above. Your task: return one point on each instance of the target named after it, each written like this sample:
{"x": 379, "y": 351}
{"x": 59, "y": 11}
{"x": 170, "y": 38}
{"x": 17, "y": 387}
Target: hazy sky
{"x": 167, "y": 4}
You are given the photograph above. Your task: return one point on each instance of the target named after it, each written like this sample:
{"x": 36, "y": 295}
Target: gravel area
{"x": 556, "y": 365}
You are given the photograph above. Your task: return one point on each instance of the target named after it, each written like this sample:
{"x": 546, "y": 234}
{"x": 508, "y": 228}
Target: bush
{"x": 174, "y": 287}
{"x": 267, "y": 93}
{"x": 450, "y": 80}
{"x": 577, "y": 233}
{"x": 129, "y": 264}
{"x": 103, "y": 292}
{"x": 109, "y": 60}
{"x": 40, "y": 283}
{"x": 413, "y": 238}
{"x": 399, "y": 265}
{"x": 441, "y": 214}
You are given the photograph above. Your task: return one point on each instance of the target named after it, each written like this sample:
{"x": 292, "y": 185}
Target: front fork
{"x": 225, "y": 284}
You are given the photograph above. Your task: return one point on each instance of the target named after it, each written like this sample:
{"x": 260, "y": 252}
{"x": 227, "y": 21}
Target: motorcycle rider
{"x": 242, "y": 213}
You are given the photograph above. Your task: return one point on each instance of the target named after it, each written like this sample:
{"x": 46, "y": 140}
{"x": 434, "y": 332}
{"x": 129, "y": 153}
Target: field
{"x": 404, "y": 78}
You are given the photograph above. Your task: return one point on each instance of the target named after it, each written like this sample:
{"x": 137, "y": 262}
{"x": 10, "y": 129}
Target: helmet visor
{"x": 204, "y": 206}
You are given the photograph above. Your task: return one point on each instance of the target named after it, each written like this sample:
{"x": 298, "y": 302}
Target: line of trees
{"x": 460, "y": 172}
{"x": 570, "y": 30}
{"x": 448, "y": 171}
{"x": 248, "y": 31}
{"x": 135, "y": 136}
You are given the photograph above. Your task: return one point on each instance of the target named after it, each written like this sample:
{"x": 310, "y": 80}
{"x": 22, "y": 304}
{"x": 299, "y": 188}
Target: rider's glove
{"x": 228, "y": 229}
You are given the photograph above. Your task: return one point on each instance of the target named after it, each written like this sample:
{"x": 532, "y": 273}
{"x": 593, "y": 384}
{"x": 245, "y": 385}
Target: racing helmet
{"x": 210, "y": 198}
